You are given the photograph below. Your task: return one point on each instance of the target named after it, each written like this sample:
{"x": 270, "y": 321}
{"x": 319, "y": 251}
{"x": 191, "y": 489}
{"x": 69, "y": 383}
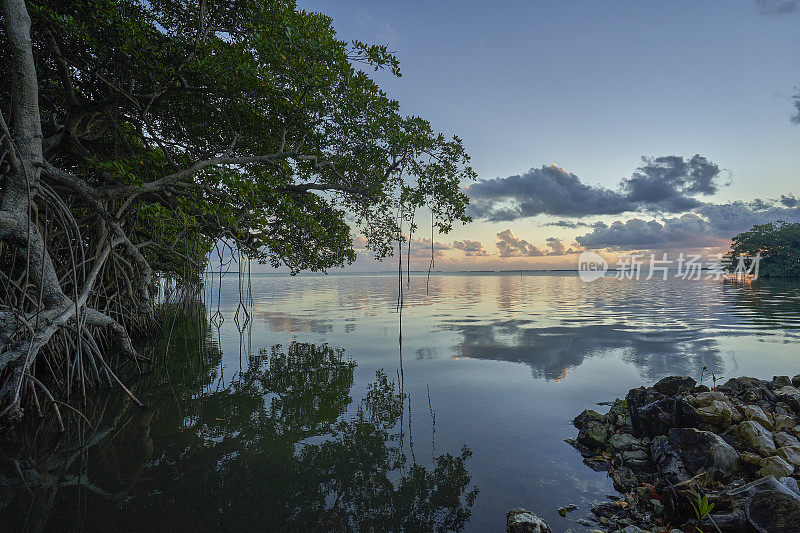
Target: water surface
{"x": 472, "y": 384}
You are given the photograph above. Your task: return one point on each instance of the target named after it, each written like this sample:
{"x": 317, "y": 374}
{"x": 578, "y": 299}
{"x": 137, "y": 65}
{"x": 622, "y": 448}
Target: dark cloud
{"x": 670, "y": 183}
{"x": 663, "y": 184}
{"x": 710, "y": 225}
{"x": 510, "y": 245}
{"x": 690, "y": 231}
{"x": 547, "y": 190}
{"x": 778, "y": 7}
{"x": 470, "y": 248}
{"x": 567, "y": 224}
{"x": 789, "y": 200}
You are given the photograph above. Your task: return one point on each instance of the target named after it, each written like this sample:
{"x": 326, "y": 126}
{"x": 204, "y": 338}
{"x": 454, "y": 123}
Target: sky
{"x": 611, "y": 126}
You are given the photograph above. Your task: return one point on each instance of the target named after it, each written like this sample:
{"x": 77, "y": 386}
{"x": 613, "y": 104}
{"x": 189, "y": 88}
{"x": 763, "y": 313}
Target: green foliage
{"x": 134, "y": 91}
{"x": 777, "y": 243}
{"x": 702, "y": 509}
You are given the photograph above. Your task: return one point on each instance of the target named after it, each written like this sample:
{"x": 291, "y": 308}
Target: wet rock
{"x": 784, "y": 439}
{"x": 704, "y": 451}
{"x": 593, "y": 434}
{"x": 775, "y": 466}
{"x": 588, "y": 415}
{"x": 606, "y": 509}
{"x": 668, "y": 462}
{"x": 624, "y": 442}
{"x": 756, "y": 414}
{"x": 755, "y": 436}
{"x": 790, "y": 396}
{"x": 522, "y": 521}
{"x": 796, "y": 380}
{"x": 567, "y": 508}
{"x": 781, "y": 381}
{"x": 772, "y": 511}
{"x": 624, "y": 479}
{"x": 672, "y": 385}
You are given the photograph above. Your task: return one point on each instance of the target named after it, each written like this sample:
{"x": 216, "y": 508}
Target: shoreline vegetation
{"x": 688, "y": 457}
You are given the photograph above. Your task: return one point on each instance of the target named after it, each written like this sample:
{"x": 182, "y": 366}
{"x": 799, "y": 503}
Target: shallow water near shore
{"x": 239, "y": 434}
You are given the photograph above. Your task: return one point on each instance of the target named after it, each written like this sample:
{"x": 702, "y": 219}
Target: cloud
{"x": 789, "y": 200}
{"x": 510, "y": 245}
{"x": 567, "y": 224}
{"x": 711, "y": 225}
{"x": 663, "y": 184}
{"x": 470, "y": 248}
{"x": 796, "y": 116}
{"x": 422, "y": 248}
{"x": 778, "y": 7}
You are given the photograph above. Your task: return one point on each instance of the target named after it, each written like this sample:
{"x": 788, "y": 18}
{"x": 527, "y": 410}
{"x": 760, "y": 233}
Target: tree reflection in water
{"x": 274, "y": 450}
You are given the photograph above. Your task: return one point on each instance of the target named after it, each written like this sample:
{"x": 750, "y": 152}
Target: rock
{"x": 587, "y": 416}
{"x": 784, "y": 439}
{"x": 618, "y": 414}
{"x": 765, "y": 483}
{"x": 781, "y": 381}
{"x": 775, "y": 466}
{"x": 672, "y": 385}
{"x": 593, "y": 434}
{"x": 783, "y": 422}
{"x": 790, "y": 396}
{"x": 704, "y": 451}
{"x": 658, "y": 417}
{"x": 755, "y": 413}
{"x": 668, "y": 462}
{"x": 748, "y": 390}
{"x": 624, "y": 442}
{"x": 772, "y": 511}
{"x": 753, "y": 435}
{"x": 634, "y": 455}
{"x": 791, "y": 454}
{"x": 567, "y": 508}
{"x": 522, "y": 521}
{"x": 791, "y": 484}
{"x": 750, "y": 459}
{"x": 624, "y": 479}
{"x": 796, "y": 380}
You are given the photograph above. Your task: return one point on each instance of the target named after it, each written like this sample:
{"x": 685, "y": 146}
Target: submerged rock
{"x": 522, "y": 521}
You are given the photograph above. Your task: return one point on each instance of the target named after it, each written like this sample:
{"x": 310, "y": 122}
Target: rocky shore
{"x": 688, "y": 457}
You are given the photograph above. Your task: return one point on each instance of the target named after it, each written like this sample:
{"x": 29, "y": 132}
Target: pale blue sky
{"x": 594, "y": 85}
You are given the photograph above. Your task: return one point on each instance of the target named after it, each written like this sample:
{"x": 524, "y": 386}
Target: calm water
{"x": 382, "y": 429}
